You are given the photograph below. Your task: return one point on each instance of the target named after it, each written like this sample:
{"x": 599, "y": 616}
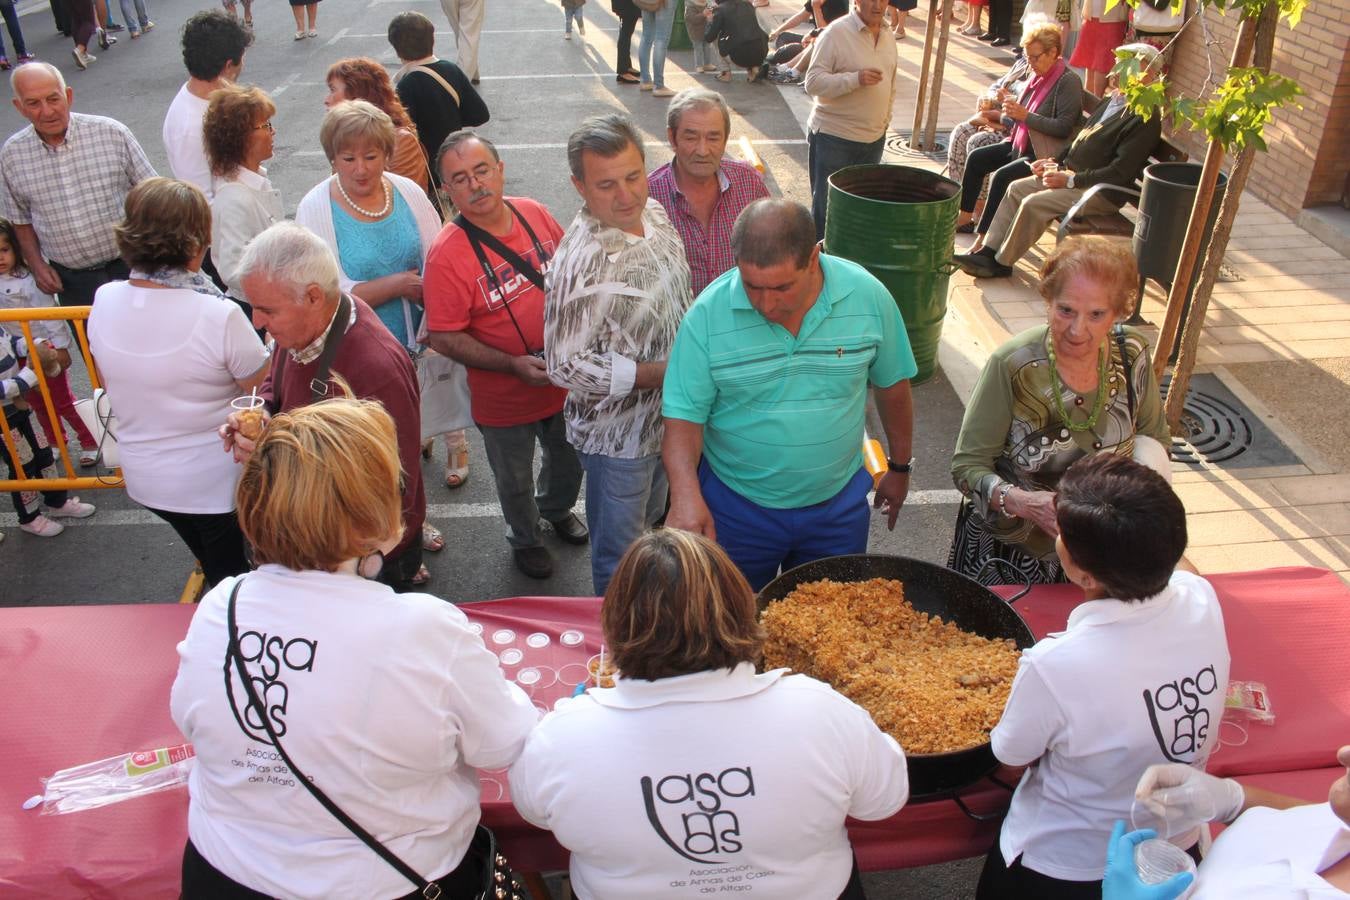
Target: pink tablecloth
{"x": 82, "y": 683}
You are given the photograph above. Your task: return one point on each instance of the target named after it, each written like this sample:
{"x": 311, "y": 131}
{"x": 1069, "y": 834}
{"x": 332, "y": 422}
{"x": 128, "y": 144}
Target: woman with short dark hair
{"x": 173, "y": 352}
{"x": 692, "y": 756}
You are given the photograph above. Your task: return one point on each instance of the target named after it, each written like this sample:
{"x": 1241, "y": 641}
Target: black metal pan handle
{"x": 978, "y": 817}
{"x": 1022, "y": 577}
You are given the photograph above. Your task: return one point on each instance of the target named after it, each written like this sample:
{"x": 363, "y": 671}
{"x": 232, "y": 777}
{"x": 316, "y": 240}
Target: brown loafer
{"x": 535, "y": 562}
{"x": 571, "y": 529}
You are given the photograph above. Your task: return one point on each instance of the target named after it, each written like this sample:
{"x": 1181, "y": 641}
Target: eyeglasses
{"x": 268, "y": 126}
{"x": 481, "y": 174}
{"x": 1032, "y": 57}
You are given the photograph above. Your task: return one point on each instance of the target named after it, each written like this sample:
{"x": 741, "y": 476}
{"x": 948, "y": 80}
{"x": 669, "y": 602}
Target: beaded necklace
{"x": 388, "y": 200}
{"x": 1057, "y": 389}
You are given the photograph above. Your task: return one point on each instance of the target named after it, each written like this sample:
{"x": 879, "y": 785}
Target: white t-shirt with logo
{"x": 1127, "y": 685}
{"x": 721, "y": 782}
{"x": 387, "y": 701}
{"x": 171, "y": 359}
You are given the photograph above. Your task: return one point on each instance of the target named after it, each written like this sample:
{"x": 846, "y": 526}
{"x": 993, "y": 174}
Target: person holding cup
{"x": 173, "y": 352}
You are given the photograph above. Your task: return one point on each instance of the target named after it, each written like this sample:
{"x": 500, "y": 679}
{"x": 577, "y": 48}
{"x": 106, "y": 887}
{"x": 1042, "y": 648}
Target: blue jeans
{"x": 134, "y": 12}
{"x": 510, "y": 453}
{"x": 573, "y": 15}
{"x": 761, "y": 540}
{"x": 827, "y": 154}
{"x": 655, "y": 38}
{"x": 624, "y": 497}
{"x": 703, "y": 54}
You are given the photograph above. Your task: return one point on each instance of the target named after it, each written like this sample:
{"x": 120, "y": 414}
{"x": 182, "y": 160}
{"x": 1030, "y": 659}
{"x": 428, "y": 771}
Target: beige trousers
{"x": 1026, "y": 210}
{"x": 466, "y": 19}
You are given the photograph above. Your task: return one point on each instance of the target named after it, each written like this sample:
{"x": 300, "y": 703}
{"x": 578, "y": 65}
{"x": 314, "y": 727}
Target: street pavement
{"x": 538, "y": 87}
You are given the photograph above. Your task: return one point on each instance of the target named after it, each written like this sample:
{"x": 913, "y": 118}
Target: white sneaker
{"x": 82, "y": 59}
{"x": 43, "y": 527}
{"x": 567, "y": 35}
{"x": 71, "y": 509}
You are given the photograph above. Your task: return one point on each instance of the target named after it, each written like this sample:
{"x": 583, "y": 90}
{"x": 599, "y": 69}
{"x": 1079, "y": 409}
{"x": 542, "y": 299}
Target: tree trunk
{"x": 1204, "y": 199}
{"x": 916, "y": 135}
{"x": 1218, "y": 244}
{"x": 944, "y": 31}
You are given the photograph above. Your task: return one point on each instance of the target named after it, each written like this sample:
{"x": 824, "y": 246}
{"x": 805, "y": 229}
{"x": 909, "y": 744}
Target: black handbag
{"x": 498, "y": 882}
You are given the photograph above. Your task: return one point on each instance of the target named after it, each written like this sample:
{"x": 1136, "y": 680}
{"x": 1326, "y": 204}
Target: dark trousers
{"x": 83, "y": 26}
{"x": 400, "y": 568}
{"x": 1016, "y": 882}
{"x": 510, "y": 453}
{"x": 1000, "y": 18}
{"x": 78, "y": 285}
{"x": 203, "y": 881}
{"x": 21, "y": 423}
{"x": 214, "y": 538}
{"x": 998, "y": 188}
{"x": 827, "y": 154}
{"x": 624, "y": 59}
{"x": 980, "y": 162}
{"x": 15, "y": 32}
{"x": 61, "y": 16}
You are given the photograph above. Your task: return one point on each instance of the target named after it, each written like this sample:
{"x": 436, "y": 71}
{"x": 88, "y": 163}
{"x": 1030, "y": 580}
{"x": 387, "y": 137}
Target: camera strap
{"x": 478, "y": 237}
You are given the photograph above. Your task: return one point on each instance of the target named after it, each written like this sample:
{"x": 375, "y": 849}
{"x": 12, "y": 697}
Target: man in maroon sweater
{"x": 291, "y": 279}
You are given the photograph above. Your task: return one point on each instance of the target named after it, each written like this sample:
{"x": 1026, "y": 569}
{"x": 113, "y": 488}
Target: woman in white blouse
{"x": 238, "y": 133}
{"x": 173, "y": 352}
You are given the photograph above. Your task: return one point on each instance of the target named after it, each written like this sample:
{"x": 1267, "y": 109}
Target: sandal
{"x": 627, "y": 78}
{"x": 432, "y": 539}
{"x": 422, "y": 577}
{"x": 457, "y": 467}
{"x": 724, "y": 77}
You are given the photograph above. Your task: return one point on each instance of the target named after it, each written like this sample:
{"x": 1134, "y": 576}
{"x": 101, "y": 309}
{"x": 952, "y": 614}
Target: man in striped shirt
{"x": 701, "y": 189}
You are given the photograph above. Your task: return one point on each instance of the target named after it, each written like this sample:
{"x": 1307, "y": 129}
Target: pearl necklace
{"x": 379, "y": 214}
{"x": 1057, "y": 388}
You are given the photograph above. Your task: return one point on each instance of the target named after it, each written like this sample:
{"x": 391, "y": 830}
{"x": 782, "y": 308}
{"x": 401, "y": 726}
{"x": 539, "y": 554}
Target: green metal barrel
{"x": 898, "y": 222}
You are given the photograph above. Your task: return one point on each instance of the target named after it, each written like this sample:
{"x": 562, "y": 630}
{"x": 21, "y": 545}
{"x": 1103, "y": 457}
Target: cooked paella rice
{"x": 927, "y": 683}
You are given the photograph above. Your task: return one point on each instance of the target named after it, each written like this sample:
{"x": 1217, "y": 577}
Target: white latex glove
{"x": 1176, "y": 792}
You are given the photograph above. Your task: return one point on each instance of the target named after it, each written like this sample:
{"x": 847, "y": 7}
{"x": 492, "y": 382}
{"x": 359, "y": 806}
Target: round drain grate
{"x": 897, "y": 143}
{"x": 1215, "y": 431}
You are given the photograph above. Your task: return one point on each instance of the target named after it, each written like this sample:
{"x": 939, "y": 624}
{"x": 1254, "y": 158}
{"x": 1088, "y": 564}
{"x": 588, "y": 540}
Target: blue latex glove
{"x": 1122, "y": 879}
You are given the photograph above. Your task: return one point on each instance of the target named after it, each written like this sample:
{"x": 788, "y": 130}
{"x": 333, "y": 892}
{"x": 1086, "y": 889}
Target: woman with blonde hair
{"x": 239, "y": 136}
{"x": 386, "y": 702}
{"x": 380, "y": 226}
{"x": 173, "y": 352}
{"x": 1075, "y": 386}
{"x": 362, "y": 78}
{"x": 692, "y": 755}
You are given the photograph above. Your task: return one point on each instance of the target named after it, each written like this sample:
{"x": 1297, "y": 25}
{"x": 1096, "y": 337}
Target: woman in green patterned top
{"x": 1049, "y": 396}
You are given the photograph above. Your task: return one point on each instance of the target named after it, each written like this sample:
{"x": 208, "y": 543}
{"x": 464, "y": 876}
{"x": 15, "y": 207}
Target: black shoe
{"x": 571, "y": 529}
{"x": 535, "y": 562}
{"x": 988, "y": 36}
{"x": 1000, "y": 42}
{"x": 978, "y": 265}
{"x": 968, "y": 228}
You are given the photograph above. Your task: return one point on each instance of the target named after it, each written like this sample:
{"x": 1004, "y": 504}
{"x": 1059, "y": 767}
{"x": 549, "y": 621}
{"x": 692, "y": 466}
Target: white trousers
{"x": 466, "y": 19}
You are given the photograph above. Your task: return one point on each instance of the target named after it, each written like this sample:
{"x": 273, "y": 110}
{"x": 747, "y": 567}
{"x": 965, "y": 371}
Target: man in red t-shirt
{"x": 482, "y": 288}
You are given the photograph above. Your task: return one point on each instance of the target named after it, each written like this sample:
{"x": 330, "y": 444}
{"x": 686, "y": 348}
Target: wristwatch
{"x": 1069, "y": 183}
{"x": 902, "y": 468}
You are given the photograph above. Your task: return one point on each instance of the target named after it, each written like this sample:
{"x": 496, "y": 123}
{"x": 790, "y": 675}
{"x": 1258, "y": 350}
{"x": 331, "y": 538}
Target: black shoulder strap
{"x": 478, "y": 237}
{"x": 1119, "y": 331}
{"x": 318, "y": 385}
{"x": 429, "y": 889}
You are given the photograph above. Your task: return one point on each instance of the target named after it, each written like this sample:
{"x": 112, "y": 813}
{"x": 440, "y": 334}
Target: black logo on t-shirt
{"x": 697, "y": 807}
{"x": 274, "y": 655}
{"x": 1177, "y": 713}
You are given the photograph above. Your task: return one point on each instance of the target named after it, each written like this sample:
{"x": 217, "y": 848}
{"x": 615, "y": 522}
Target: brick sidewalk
{"x": 1290, "y": 304}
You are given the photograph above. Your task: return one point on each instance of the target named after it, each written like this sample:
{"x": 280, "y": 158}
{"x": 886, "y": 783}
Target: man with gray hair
{"x": 615, "y": 294}
{"x": 765, "y": 400}
{"x": 291, "y": 279}
{"x": 1112, "y": 148}
{"x": 701, "y": 189}
{"x": 64, "y": 182}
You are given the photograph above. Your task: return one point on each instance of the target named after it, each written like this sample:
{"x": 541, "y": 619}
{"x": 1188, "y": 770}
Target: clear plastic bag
{"x": 1249, "y": 700}
{"x": 115, "y": 779}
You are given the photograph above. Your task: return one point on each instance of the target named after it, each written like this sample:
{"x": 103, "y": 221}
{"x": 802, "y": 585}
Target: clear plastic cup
{"x": 601, "y": 677}
{"x": 571, "y": 638}
{"x": 538, "y": 640}
{"x": 574, "y": 674}
{"x": 492, "y": 789}
{"x": 511, "y": 656}
{"x": 1049, "y": 167}
{"x": 548, "y": 676}
{"x": 250, "y": 409}
{"x": 503, "y": 636}
{"x": 476, "y": 628}
{"x": 1157, "y": 860}
{"x": 528, "y": 678}
{"x": 1173, "y": 811}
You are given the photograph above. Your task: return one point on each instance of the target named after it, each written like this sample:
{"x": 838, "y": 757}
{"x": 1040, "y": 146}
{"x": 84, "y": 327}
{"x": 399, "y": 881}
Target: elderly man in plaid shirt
{"x": 701, "y": 190}
{"x": 63, "y": 183}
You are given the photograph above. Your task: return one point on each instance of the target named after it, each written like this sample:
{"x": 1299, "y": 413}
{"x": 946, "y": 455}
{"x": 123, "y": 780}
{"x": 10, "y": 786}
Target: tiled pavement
{"x": 1286, "y": 320}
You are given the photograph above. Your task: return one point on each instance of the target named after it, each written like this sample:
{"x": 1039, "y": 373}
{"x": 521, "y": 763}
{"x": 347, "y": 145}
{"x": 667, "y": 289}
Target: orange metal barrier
{"x": 77, "y": 316}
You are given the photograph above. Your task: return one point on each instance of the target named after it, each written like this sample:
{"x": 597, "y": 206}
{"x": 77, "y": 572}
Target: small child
{"x": 571, "y": 13}
{"x": 1138, "y": 677}
{"x": 34, "y": 453}
{"x": 19, "y": 291}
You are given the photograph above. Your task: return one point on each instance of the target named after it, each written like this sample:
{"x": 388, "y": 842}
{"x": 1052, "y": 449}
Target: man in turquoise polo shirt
{"x": 765, "y": 395}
